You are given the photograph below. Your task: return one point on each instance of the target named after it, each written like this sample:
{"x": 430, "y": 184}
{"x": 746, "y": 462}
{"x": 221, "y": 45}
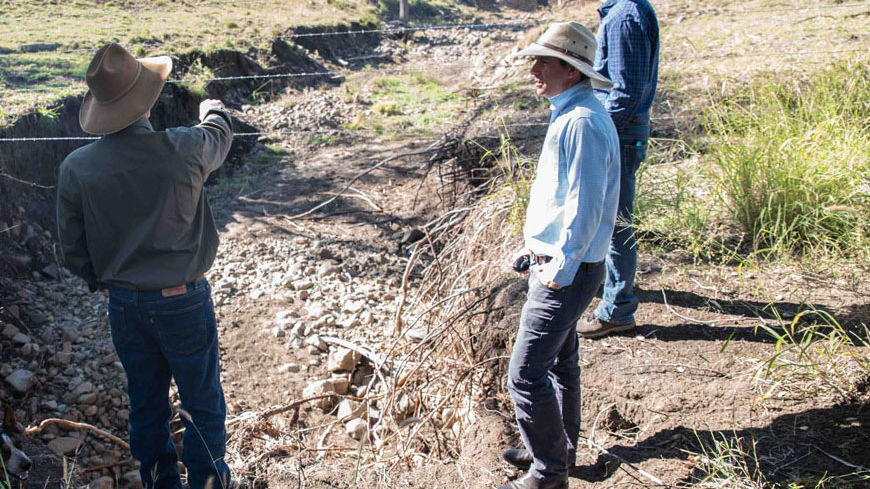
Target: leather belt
{"x": 178, "y": 289}
{"x": 541, "y": 259}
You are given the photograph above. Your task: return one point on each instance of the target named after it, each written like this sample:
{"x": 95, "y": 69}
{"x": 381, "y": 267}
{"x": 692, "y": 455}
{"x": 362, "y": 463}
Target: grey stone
{"x": 355, "y": 306}
{"x": 288, "y": 367}
{"x": 342, "y": 359}
{"x": 83, "y": 388}
{"x": 340, "y": 384}
{"x": 87, "y": 398}
{"x": 317, "y": 342}
{"x": 65, "y": 445}
{"x": 21, "y": 339}
{"x": 348, "y": 409}
{"x": 319, "y": 388}
{"x": 356, "y": 428}
{"x": 70, "y": 333}
{"x": 10, "y": 331}
{"x": 132, "y": 479}
{"x": 104, "y": 482}
{"x": 21, "y": 380}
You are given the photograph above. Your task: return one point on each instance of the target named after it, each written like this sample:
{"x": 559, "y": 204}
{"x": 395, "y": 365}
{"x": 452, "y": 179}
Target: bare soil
{"x": 691, "y": 375}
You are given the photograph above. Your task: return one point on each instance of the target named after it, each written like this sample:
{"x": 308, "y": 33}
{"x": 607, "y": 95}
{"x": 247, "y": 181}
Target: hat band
{"x": 126, "y": 90}
{"x": 565, "y": 51}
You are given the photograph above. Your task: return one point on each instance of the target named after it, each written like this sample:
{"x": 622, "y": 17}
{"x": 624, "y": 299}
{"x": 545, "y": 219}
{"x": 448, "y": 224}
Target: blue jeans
{"x": 544, "y": 371}
{"x": 618, "y": 302}
{"x": 158, "y": 338}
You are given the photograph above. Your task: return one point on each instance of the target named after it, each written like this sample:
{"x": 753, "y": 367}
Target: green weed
{"x": 387, "y": 108}
{"x": 48, "y": 116}
{"x": 39, "y": 69}
{"x": 322, "y": 139}
{"x": 5, "y": 482}
{"x": 668, "y": 212}
{"x": 731, "y": 462}
{"x": 516, "y": 175}
{"x": 271, "y": 155}
{"x": 726, "y": 463}
{"x": 416, "y": 103}
{"x": 847, "y": 481}
{"x": 198, "y": 73}
{"x": 792, "y": 162}
{"x": 816, "y": 348}
{"x": 420, "y": 10}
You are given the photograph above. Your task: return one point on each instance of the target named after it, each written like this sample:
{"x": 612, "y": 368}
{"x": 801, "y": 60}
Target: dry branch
{"x": 72, "y": 425}
{"x": 25, "y": 182}
{"x": 397, "y": 325}
{"x": 293, "y": 405}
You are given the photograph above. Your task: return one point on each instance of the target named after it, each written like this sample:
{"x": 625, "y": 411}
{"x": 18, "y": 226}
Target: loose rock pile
{"x": 58, "y": 362}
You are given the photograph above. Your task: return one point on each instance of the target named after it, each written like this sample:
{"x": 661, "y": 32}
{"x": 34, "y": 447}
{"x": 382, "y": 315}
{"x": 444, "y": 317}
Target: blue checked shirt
{"x": 628, "y": 54}
{"x": 572, "y": 202}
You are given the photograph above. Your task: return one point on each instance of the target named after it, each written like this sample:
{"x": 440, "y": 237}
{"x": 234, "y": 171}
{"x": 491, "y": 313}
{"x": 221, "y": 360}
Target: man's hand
{"x": 208, "y": 105}
{"x": 553, "y": 286}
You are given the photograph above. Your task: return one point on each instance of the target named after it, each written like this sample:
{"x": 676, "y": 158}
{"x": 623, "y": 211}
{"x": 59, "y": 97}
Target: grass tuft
{"x": 815, "y": 350}
{"x": 791, "y": 162}
{"x": 516, "y": 178}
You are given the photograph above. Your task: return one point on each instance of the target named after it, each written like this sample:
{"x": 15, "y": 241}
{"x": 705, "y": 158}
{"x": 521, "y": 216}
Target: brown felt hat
{"x": 121, "y": 89}
{"x": 573, "y": 43}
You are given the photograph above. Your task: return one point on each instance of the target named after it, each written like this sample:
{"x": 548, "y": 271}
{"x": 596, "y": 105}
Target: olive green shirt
{"x": 131, "y": 209}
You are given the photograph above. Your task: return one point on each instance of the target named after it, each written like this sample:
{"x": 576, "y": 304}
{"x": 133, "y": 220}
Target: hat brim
{"x": 101, "y": 119}
{"x": 598, "y": 81}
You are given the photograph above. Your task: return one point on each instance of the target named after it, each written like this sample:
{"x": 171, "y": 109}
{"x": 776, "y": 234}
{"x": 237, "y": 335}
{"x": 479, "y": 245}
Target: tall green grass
{"x": 669, "y": 212}
{"x": 791, "y": 162}
{"x": 516, "y": 173}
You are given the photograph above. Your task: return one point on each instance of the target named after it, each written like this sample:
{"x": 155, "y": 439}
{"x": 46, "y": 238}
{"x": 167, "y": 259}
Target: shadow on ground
{"x": 829, "y": 444}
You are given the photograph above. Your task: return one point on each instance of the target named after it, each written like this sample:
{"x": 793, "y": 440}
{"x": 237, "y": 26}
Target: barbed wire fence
{"x": 808, "y": 54}
{"x": 403, "y": 29}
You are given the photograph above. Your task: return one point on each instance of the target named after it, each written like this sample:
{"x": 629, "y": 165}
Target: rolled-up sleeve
{"x": 71, "y": 227}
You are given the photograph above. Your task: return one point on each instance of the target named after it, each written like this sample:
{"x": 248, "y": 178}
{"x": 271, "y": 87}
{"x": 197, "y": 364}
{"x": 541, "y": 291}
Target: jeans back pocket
{"x": 183, "y": 330}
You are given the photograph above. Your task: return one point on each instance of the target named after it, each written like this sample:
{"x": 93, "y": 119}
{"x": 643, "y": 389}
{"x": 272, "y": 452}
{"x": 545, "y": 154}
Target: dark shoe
{"x": 522, "y": 459}
{"x": 529, "y": 482}
{"x": 592, "y": 327}
{"x": 518, "y": 457}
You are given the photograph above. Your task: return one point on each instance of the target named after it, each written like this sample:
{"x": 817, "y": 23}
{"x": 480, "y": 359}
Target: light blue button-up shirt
{"x": 572, "y": 202}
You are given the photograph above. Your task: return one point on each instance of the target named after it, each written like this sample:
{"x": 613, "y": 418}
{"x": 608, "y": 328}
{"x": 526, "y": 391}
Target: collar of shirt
{"x": 606, "y": 6}
{"x": 567, "y": 98}
{"x": 139, "y": 126}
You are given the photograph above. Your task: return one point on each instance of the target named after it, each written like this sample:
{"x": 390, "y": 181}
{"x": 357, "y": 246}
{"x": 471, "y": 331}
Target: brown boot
{"x": 592, "y": 327}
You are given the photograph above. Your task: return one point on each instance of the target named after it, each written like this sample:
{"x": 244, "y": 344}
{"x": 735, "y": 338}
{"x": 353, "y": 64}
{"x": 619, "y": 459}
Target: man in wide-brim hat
{"x": 569, "y": 220}
{"x": 133, "y": 218}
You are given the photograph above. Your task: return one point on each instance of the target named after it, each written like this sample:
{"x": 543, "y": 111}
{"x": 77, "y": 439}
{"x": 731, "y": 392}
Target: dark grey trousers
{"x": 544, "y": 371}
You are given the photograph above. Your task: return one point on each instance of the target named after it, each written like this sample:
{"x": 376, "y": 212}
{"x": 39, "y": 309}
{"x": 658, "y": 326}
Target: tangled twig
{"x": 72, "y": 425}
